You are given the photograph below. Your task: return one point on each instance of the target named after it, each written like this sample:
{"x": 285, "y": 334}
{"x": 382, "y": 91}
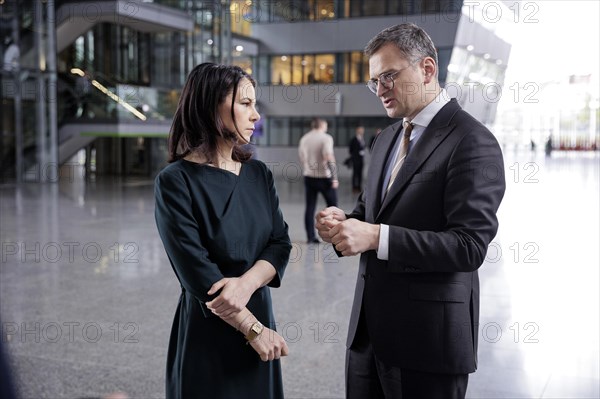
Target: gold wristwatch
{"x": 255, "y": 330}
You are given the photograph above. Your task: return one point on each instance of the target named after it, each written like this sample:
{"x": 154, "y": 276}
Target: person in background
{"x": 319, "y": 170}
{"x": 217, "y": 213}
{"x": 357, "y": 153}
{"x": 422, "y": 227}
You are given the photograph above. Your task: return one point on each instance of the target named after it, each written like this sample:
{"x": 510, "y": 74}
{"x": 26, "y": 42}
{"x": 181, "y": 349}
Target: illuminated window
{"x": 241, "y": 14}
{"x": 321, "y": 9}
{"x": 324, "y": 68}
{"x": 356, "y": 68}
{"x": 281, "y": 69}
{"x": 299, "y": 74}
{"x": 319, "y": 68}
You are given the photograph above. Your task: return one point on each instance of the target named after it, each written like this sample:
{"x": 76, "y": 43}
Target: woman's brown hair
{"x": 196, "y": 125}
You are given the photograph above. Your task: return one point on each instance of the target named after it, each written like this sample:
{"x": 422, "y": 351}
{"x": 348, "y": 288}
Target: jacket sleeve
{"x": 359, "y": 209}
{"x": 277, "y": 251}
{"x": 180, "y": 234}
{"x": 474, "y": 187}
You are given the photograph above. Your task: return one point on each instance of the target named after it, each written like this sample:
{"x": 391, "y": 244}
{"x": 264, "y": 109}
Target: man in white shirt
{"x": 319, "y": 170}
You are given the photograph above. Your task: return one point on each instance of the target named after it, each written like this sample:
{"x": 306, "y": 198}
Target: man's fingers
{"x": 323, "y": 214}
{"x": 330, "y": 223}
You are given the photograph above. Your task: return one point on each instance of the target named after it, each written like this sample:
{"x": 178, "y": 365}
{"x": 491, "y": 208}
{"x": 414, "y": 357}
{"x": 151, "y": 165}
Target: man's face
{"x": 406, "y": 98}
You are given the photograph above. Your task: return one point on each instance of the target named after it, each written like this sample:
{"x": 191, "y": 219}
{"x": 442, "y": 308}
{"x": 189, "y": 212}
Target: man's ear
{"x": 430, "y": 69}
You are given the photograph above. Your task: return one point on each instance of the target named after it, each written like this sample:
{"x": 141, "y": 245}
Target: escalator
{"x": 88, "y": 105}
{"x": 74, "y": 18}
{"x": 94, "y": 106}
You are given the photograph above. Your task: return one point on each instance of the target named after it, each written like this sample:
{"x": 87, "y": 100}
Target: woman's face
{"x": 244, "y": 110}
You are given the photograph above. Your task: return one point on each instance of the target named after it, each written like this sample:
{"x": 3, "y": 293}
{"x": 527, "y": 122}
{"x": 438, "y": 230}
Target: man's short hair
{"x": 316, "y": 123}
{"x": 412, "y": 41}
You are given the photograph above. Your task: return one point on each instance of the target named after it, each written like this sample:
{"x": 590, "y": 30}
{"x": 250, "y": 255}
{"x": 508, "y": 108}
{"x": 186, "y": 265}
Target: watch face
{"x": 255, "y": 331}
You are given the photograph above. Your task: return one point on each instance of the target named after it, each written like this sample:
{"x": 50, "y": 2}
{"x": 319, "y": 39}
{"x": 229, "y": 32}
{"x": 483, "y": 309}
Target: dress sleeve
{"x": 180, "y": 235}
{"x": 277, "y": 251}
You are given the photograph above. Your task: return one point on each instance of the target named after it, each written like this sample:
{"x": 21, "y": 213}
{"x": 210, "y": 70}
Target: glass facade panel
{"x": 281, "y": 70}
{"x": 298, "y": 63}
{"x": 318, "y": 10}
{"x": 242, "y": 13}
{"x": 401, "y": 7}
{"x": 355, "y": 8}
{"x": 467, "y": 67}
{"x": 427, "y": 6}
{"x": 308, "y": 69}
{"x": 373, "y": 8}
{"x": 316, "y": 68}
{"x": 243, "y": 62}
{"x": 282, "y": 131}
{"x": 277, "y": 132}
{"x": 358, "y": 68}
{"x": 324, "y": 68}
{"x": 321, "y": 9}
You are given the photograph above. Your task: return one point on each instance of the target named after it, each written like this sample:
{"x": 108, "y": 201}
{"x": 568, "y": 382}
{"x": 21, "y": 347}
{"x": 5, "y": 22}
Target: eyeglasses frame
{"x": 391, "y": 75}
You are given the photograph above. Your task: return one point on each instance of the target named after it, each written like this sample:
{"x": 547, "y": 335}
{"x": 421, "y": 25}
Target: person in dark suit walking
{"x": 357, "y": 155}
{"x": 421, "y": 226}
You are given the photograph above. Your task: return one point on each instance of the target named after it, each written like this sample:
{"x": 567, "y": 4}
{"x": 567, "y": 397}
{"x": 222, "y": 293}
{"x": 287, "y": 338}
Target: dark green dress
{"x": 216, "y": 224}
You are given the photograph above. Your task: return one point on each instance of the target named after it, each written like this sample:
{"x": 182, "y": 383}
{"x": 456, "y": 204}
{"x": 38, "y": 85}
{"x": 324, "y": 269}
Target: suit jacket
{"x": 421, "y": 306}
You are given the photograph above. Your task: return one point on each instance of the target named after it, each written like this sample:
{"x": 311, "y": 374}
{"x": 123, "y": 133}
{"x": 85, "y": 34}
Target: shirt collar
{"x": 424, "y": 117}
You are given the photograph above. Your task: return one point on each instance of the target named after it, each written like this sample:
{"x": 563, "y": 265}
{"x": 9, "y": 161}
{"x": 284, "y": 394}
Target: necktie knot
{"x": 408, "y": 127}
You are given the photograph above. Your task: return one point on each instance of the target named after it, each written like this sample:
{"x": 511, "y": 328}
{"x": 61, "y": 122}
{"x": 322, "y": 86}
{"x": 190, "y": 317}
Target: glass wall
{"x": 287, "y": 131}
{"x": 304, "y": 69}
{"x": 466, "y": 67}
{"x": 319, "y": 10}
{"x": 28, "y": 91}
{"x": 241, "y": 15}
{"x": 356, "y": 67}
{"x": 315, "y": 68}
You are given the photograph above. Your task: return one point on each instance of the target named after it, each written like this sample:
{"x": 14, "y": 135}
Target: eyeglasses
{"x": 386, "y": 80}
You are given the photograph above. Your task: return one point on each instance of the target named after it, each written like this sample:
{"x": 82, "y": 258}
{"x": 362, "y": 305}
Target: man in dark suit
{"x": 422, "y": 226}
{"x": 357, "y": 155}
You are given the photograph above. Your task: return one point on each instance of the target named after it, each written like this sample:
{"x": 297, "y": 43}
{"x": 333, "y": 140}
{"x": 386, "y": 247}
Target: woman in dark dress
{"x": 218, "y": 216}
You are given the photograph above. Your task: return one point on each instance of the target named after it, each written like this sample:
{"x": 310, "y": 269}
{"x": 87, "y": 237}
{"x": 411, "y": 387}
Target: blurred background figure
{"x": 357, "y": 154}
{"x": 319, "y": 170}
{"x": 548, "y": 148}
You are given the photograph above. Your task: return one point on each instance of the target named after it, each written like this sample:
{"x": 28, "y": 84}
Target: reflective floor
{"x": 87, "y": 295}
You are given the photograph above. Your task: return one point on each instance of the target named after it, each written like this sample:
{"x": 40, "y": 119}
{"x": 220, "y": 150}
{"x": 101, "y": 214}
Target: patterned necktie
{"x": 408, "y": 127}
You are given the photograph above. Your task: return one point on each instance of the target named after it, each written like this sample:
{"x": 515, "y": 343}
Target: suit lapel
{"x": 431, "y": 138}
{"x": 381, "y": 152}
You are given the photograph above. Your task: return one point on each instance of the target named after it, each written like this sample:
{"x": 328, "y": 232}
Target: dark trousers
{"x": 357, "y": 172}
{"x": 367, "y": 377}
{"x": 314, "y": 186}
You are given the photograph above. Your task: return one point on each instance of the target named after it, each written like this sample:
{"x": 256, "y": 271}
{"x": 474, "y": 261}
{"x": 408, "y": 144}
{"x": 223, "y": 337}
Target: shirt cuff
{"x": 383, "y": 250}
